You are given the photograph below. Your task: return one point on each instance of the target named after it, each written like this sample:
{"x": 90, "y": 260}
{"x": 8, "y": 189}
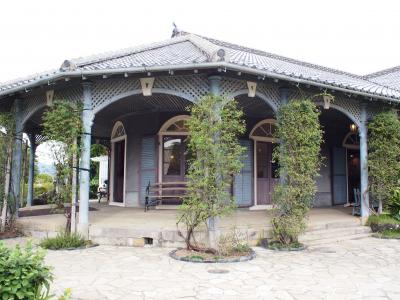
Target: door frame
{"x": 118, "y": 134}
{"x": 267, "y": 139}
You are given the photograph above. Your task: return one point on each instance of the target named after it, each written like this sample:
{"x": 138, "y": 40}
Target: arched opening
{"x": 351, "y": 143}
{"x": 339, "y": 178}
{"x": 265, "y": 169}
{"x": 172, "y": 150}
{"x": 118, "y": 164}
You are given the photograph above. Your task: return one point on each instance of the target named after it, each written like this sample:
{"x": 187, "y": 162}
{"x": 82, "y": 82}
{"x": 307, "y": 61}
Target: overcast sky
{"x": 354, "y": 36}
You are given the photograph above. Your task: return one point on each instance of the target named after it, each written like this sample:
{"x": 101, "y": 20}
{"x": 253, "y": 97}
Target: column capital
{"x": 87, "y": 83}
{"x": 215, "y": 84}
{"x": 284, "y": 94}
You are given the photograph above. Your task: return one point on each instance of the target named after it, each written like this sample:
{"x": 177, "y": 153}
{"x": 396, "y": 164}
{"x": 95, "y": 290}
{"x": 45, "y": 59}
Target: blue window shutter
{"x": 339, "y": 178}
{"x": 148, "y": 164}
{"x": 243, "y": 185}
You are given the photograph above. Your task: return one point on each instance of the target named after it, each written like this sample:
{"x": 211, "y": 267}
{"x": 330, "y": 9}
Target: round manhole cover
{"x": 218, "y": 271}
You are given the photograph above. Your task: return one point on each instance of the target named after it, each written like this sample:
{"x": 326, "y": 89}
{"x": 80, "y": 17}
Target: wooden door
{"x": 119, "y": 171}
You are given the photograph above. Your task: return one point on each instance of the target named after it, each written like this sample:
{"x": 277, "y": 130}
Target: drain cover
{"x": 218, "y": 271}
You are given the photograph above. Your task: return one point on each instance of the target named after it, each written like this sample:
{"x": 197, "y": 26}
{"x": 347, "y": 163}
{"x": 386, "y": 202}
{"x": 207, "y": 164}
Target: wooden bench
{"x": 159, "y": 191}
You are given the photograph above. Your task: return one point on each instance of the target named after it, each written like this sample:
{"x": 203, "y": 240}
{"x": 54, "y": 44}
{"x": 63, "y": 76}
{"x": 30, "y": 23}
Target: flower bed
{"x": 203, "y": 257}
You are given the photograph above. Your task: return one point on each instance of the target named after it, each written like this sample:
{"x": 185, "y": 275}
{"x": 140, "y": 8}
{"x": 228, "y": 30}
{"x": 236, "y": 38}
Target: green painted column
{"x": 84, "y": 178}
{"x": 213, "y": 222}
{"x": 363, "y": 133}
{"x": 17, "y": 155}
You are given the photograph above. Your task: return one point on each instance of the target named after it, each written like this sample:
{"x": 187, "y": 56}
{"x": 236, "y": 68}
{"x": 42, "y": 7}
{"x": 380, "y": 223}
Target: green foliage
{"x": 63, "y": 240}
{"x": 62, "y": 124}
{"x": 96, "y": 150}
{"x": 300, "y": 134}
{"x": 214, "y": 127}
{"x": 7, "y": 127}
{"x": 23, "y": 274}
{"x": 382, "y": 219}
{"x": 394, "y": 203}
{"x": 94, "y": 185}
{"x": 384, "y": 155}
{"x": 388, "y": 234}
{"x": 43, "y": 184}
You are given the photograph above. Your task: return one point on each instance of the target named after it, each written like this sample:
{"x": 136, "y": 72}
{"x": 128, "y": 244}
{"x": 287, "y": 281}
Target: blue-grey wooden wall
{"x": 243, "y": 184}
{"x": 148, "y": 165}
{"x": 339, "y": 178}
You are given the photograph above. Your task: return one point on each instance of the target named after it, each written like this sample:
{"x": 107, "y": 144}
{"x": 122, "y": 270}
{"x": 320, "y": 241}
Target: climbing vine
{"x": 62, "y": 126}
{"x": 7, "y": 128}
{"x": 384, "y": 156}
{"x": 300, "y": 135}
{"x": 214, "y": 127}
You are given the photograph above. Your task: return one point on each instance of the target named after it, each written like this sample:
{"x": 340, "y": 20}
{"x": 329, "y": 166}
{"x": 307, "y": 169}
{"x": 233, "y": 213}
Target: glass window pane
{"x": 172, "y": 156}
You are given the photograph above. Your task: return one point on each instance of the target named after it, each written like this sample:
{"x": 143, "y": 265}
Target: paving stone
{"x": 361, "y": 269}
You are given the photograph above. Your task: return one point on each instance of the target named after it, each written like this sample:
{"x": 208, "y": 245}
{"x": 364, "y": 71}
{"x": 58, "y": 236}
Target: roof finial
{"x": 175, "y": 31}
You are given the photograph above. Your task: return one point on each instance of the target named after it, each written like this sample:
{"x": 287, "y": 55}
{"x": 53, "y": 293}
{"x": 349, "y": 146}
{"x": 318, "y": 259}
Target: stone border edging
{"x": 251, "y": 256}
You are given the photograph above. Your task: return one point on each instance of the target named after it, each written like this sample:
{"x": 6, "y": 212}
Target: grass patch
{"x": 382, "y": 219}
{"x": 64, "y": 240}
{"x": 388, "y": 234}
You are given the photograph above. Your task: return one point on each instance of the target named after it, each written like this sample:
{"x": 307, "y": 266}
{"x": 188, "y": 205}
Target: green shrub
{"x": 394, "y": 204}
{"x": 23, "y": 274}
{"x": 94, "y": 184}
{"x": 382, "y": 222}
{"x": 63, "y": 240}
{"x": 299, "y": 163}
{"x": 384, "y": 156}
{"x": 389, "y": 234}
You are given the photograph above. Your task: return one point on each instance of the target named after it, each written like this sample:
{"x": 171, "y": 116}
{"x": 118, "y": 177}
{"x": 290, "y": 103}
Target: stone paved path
{"x": 359, "y": 269}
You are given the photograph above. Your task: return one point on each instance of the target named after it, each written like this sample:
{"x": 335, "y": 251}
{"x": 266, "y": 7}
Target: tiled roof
{"x": 388, "y": 77}
{"x": 189, "y": 50}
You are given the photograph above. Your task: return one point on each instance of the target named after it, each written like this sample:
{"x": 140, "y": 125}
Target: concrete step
{"x": 333, "y": 233}
{"x": 333, "y": 225}
{"x": 337, "y": 239}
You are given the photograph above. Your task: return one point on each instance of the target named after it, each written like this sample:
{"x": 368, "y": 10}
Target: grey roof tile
{"x": 187, "y": 48}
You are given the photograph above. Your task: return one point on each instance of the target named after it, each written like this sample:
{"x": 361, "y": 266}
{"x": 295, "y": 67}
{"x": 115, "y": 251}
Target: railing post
{"x": 84, "y": 179}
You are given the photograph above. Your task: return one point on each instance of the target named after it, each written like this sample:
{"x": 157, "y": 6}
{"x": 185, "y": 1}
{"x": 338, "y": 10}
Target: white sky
{"x": 352, "y": 35}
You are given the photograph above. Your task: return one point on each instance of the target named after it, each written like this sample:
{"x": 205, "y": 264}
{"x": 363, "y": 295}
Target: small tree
{"x": 214, "y": 128}
{"x": 300, "y": 134}
{"x": 62, "y": 125}
{"x": 384, "y": 156}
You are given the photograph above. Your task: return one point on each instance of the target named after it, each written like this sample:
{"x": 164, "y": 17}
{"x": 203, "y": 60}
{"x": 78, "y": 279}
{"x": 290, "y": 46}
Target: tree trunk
{"x": 380, "y": 208}
{"x": 6, "y": 190}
